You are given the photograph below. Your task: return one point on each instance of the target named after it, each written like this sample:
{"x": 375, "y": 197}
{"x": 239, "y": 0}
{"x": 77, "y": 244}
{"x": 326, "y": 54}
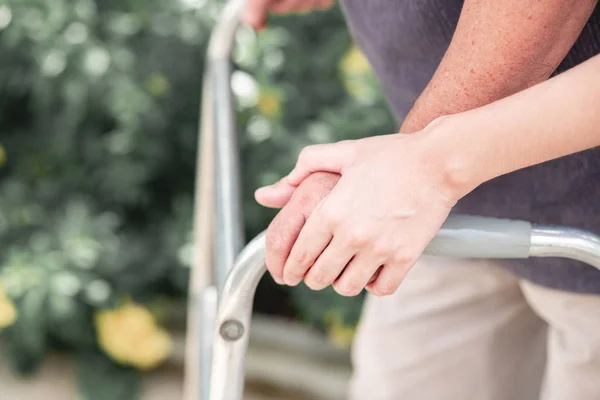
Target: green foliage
{"x": 99, "y": 109}
{"x": 94, "y": 370}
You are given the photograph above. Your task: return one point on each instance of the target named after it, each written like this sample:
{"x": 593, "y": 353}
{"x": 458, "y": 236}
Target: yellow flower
{"x": 130, "y": 335}
{"x": 156, "y": 347}
{"x": 357, "y": 76}
{"x": 355, "y": 62}
{"x": 8, "y": 311}
{"x": 269, "y": 103}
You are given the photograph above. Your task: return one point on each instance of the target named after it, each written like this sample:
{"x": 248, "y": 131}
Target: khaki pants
{"x": 468, "y": 330}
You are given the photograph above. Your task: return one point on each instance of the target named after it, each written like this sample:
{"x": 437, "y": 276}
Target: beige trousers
{"x": 468, "y": 330}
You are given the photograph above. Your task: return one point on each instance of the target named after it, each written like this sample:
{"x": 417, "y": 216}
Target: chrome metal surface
{"x": 222, "y": 38}
{"x": 218, "y": 230}
{"x": 549, "y": 241}
{"x": 221, "y": 216}
{"x": 236, "y": 299}
{"x": 469, "y": 236}
{"x": 233, "y": 322}
{"x": 208, "y": 317}
{"x": 197, "y": 363}
{"x": 228, "y": 218}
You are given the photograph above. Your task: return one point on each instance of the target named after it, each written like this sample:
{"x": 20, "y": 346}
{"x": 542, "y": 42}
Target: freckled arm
{"x": 500, "y": 47}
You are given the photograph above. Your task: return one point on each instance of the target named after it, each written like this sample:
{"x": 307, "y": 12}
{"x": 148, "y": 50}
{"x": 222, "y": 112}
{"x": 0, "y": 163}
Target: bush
{"x": 98, "y": 125}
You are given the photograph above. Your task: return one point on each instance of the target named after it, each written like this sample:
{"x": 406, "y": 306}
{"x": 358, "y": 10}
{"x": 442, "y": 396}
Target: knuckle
{"x": 402, "y": 257}
{"x": 305, "y": 154}
{"x": 332, "y": 217}
{"x": 358, "y": 238}
{"x": 386, "y": 288}
{"x": 316, "y": 281}
{"x": 380, "y": 250}
{"x": 306, "y": 199}
{"x": 302, "y": 259}
{"x": 274, "y": 241}
{"x": 291, "y": 275}
{"x": 324, "y": 181}
{"x": 348, "y": 287}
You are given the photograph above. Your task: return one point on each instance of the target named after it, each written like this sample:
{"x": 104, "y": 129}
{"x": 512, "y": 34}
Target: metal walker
{"x": 227, "y": 273}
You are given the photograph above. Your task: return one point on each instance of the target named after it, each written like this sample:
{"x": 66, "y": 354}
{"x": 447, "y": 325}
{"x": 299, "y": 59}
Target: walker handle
{"x": 481, "y": 237}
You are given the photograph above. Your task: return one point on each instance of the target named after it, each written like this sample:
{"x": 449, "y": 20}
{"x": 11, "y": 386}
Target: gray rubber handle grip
{"x": 481, "y": 237}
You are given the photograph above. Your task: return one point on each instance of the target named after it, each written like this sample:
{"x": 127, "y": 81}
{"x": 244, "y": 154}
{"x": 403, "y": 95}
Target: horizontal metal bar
{"x": 235, "y": 307}
{"x": 466, "y": 236}
{"x": 556, "y": 241}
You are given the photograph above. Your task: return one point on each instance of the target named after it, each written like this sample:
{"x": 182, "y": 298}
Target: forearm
{"x": 550, "y": 120}
{"x": 499, "y": 48}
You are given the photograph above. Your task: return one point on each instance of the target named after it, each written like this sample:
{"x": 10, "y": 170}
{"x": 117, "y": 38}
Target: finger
{"x": 281, "y": 235}
{"x": 323, "y": 4}
{"x": 287, "y": 224}
{"x": 289, "y": 6}
{"x": 276, "y": 195}
{"x": 328, "y": 265}
{"x": 255, "y": 13}
{"x": 356, "y": 275}
{"x": 280, "y": 193}
{"x": 322, "y": 157}
{"x": 375, "y": 275}
{"x": 389, "y": 279}
{"x": 312, "y": 240}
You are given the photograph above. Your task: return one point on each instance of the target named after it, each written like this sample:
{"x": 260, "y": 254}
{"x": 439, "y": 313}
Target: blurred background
{"x": 99, "y": 105}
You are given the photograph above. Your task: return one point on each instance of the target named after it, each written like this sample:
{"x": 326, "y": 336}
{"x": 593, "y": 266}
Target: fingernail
{"x": 264, "y": 191}
{"x": 264, "y": 188}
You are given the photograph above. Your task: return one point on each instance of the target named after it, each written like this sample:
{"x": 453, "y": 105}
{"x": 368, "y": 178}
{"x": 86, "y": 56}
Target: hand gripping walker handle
{"x": 460, "y": 236}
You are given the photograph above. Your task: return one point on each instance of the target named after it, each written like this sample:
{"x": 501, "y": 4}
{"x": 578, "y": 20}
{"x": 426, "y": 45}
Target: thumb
{"x": 276, "y": 195}
{"x": 317, "y": 158}
{"x": 255, "y": 13}
{"x": 332, "y": 158}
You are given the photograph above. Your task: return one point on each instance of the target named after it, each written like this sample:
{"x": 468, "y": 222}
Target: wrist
{"x": 458, "y": 158}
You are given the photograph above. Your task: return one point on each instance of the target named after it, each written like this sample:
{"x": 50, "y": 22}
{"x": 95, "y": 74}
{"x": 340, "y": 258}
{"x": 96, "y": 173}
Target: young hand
{"x": 393, "y": 196}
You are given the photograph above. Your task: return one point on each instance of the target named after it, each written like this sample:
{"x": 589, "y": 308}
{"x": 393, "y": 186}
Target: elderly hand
{"x": 297, "y": 204}
{"x": 394, "y": 194}
{"x": 256, "y": 11}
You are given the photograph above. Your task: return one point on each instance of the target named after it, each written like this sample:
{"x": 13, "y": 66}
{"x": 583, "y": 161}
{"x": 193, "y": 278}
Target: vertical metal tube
{"x": 197, "y": 356}
{"x": 217, "y": 206}
{"x": 207, "y": 318}
{"x": 228, "y": 222}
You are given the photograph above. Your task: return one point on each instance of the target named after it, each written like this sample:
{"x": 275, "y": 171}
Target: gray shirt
{"x": 405, "y": 40}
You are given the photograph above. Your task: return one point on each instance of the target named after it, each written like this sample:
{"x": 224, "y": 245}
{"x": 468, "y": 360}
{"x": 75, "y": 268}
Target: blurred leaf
{"x": 27, "y": 337}
{"x": 101, "y": 379}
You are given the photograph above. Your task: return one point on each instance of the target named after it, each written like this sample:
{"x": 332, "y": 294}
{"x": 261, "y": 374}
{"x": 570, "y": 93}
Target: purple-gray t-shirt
{"x": 404, "y": 41}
